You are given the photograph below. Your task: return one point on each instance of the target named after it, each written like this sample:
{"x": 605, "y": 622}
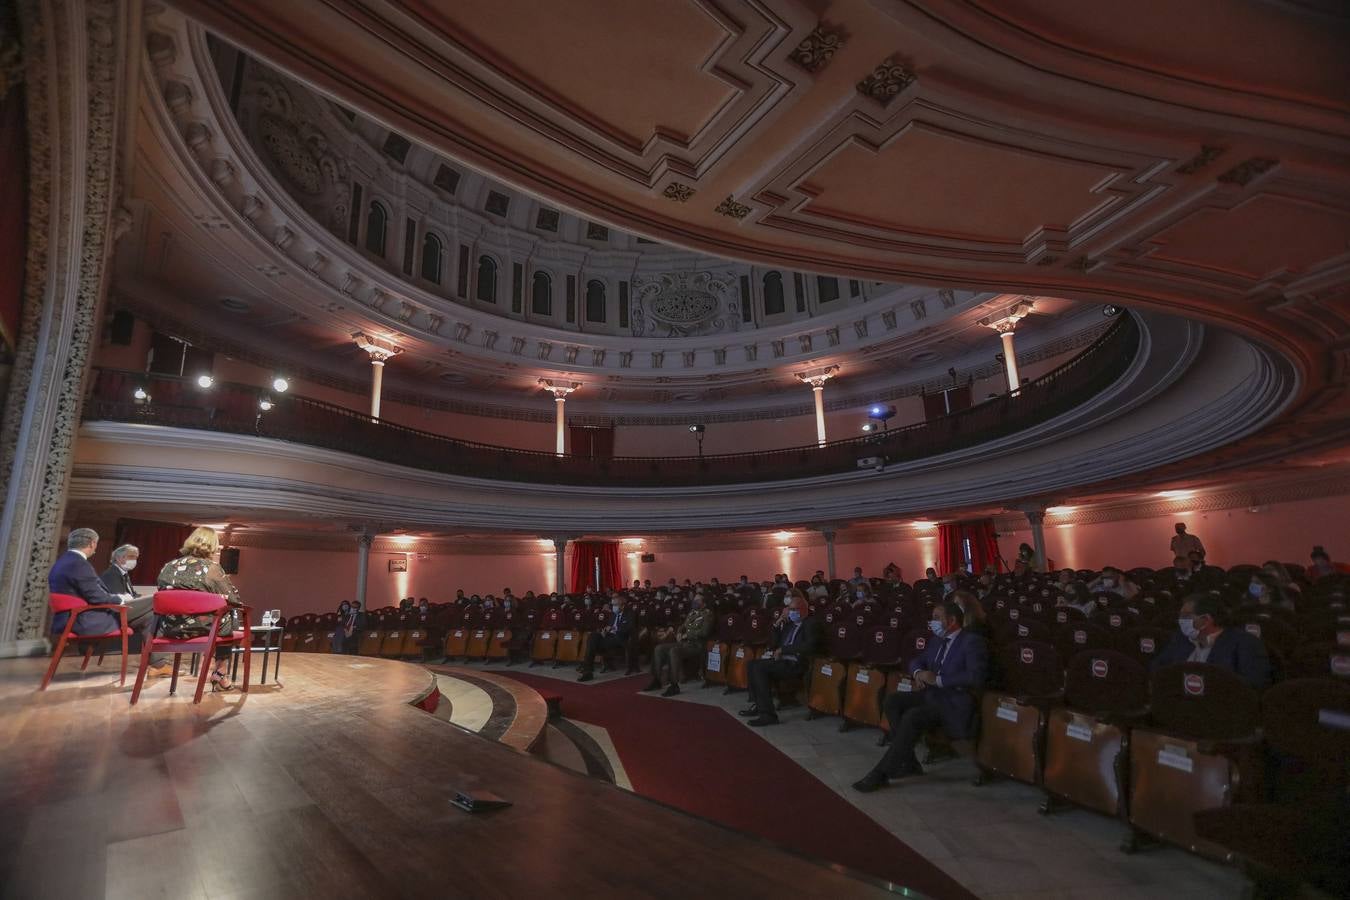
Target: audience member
{"x": 857, "y": 578}
{"x": 818, "y": 590}
{"x": 1184, "y": 544}
{"x": 975, "y": 619}
{"x": 689, "y": 639}
{"x": 339, "y": 635}
{"x": 946, "y": 677}
{"x": 72, "y": 574}
{"x": 613, "y": 636}
{"x": 1201, "y": 637}
{"x": 792, "y": 641}
{"x": 1322, "y": 566}
{"x": 197, "y": 569}
{"x": 1026, "y": 561}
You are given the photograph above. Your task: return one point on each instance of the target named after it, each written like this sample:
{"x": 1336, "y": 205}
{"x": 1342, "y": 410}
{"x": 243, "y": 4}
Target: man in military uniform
{"x": 689, "y": 640}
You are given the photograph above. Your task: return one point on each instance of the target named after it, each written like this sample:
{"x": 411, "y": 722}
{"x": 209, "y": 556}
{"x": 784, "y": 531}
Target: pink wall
{"x": 1285, "y": 531}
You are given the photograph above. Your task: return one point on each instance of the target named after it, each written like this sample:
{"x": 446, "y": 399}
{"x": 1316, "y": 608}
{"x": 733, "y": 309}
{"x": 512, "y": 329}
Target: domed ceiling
{"x": 486, "y": 288}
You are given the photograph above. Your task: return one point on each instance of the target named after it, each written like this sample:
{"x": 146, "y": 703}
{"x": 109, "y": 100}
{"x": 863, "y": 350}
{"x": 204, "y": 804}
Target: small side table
{"x": 272, "y": 644}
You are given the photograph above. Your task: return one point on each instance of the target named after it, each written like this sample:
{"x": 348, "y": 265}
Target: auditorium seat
{"x": 391, "y": 646}
{"x": 1104, "y": 693}
{"x": 570, "y": 646}
{"x": 544, "y": 647}
{"x": 1012, "y": 720}
{"x": 828, "y": 673}
{"x": 456, "y": 642}
{"x": 476, "y": 646}
{"x": 1199, "y": 748}
{"x": 1075, "y": 637}
{"x": 499, "y": 644}
{"x": 372, "y": 637}
{"x": 867, "y": 678}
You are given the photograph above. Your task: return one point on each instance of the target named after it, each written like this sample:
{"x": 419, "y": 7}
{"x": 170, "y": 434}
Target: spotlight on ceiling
{"x": 140, "y": 394}
{"x": 1111, "y": 310}
{"x": 280, "y": 385}
{"x": 205, "y": 381}
{"x": 881, "y": 412}
{"x": 264, "y": 404}
{"x": 696, "y": 428}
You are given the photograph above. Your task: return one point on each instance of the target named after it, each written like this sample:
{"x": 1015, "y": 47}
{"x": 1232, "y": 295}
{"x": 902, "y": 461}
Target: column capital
{"x": 1006, "y": 322}
{"x": 817, "y": 381}
{"x": 379, "y": 349}
{"x": 558, "y": 390}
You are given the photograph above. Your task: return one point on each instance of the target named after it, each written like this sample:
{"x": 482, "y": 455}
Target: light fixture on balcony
{"x": 140, "y": 394}
{"x": 280, "y": 385}
{"x": 205, "y": 381}
{"x": 265, "y": 404}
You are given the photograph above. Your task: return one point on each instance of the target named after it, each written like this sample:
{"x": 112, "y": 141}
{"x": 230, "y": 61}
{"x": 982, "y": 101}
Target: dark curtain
{"x": 13, "y": 212}
{"x": 592, "y": 441}
{"x": 943, "y": 403}
{"x": 950, "y": 556}
{"x": 952, "y": 546}
{"x": 584, "y": 555}
{"x": 158, "y": 542}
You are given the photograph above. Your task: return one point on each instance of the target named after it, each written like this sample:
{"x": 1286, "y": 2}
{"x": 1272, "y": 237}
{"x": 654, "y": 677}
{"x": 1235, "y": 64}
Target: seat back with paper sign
{"x": 392, "y": 644}
{"x": 1083, "y": 761}
{"x": 545, "y": 645}
{"x": 738, "y": 662}
{"x": 499, "y": 643}
{"x": 1012, "y": 721}
{"x": 456, "y": 640}
{"x": 715, "y": 661}
{"x": 569, "y": 646}
{"x": 826, "y": 693}
{"x": 372, "y": 636}
{"x": 863, "y": 689}
{"x": 882, "y": 646}
{"x": 1176, "y": 766}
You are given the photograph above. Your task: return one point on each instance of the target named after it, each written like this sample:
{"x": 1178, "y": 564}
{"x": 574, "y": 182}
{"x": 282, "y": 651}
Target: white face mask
{"x": 615, "y": 607}
{"x": 1187, "y": 626}
{"x": 129, "y": 564}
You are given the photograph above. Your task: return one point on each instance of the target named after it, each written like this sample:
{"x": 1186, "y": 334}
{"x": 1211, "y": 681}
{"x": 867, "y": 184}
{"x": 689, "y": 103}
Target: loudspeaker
{"x": 229, "y": 560}
{"x": 649, "y": 557}
{"x": 121, "y": 328}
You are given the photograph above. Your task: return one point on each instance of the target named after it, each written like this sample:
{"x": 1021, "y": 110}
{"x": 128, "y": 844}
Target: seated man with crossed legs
{"x": 793, "y": 640}
{"x": 947, "y": 677}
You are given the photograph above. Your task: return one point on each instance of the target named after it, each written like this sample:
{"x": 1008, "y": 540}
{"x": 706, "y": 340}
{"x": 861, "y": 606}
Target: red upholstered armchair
{"x": 74, "y": 605}
{"x": 193, "y": 603}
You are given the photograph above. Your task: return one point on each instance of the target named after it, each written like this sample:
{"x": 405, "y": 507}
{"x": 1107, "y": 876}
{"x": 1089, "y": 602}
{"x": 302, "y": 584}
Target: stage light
{"x": 881, "y": 412}
{"x": 869, "y": 427}
{"x": 696, "y": 429}
{"x": 1060, "y": 510}
{"x": 205, "y": 381}
{"x": 140, "y": 394}
{"x": 787, "y": 549}
{"x": 403, "y": 538}
{"x": 1176, "y": 495}
{"x": 783, "y": 535}
{"x": 264, "y": 404}
{"x": 280, "y": 385}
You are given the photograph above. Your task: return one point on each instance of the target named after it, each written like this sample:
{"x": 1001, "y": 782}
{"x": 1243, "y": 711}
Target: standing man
{"x": 1185, "y": 544}
{"x": 794, "y": 639}
{"x": 73, "y": 575}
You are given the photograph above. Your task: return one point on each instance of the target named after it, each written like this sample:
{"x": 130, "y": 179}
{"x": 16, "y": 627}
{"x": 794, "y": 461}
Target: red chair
{"x": 74, "y": 605}
{"x": 193, "y": 603}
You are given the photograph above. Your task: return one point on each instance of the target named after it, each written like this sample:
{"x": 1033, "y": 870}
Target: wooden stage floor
{"x": 331, "y": 786}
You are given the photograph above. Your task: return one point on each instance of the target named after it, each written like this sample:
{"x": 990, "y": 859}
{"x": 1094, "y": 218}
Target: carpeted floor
{"x": 697, "y": 758}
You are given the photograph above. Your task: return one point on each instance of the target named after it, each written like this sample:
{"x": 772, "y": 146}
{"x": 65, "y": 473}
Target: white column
{"x": 363, "y": 542}
{"x": 376, "y": 384}
{"x": 817, "y": 383}
{"x": 1010, "y": 360}
{"x": 559, "y": 392}
{"x": 380, "y": 351}
{"x": 560, "y": 426}
{"x": 819, "y": 391}
{"x": 559, "y": 550}
{"x": 829, "y": 551}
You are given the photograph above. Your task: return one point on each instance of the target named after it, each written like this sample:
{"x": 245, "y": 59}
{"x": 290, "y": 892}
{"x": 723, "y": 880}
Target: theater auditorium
{"x": 697, "y": 448}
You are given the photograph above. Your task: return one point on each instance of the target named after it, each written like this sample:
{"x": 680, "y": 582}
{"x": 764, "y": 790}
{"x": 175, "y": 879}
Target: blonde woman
{"x": 197, "y": 569}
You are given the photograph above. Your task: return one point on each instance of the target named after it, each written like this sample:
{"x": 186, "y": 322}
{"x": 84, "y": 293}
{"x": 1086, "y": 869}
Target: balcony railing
{"x": 234, "y": 408}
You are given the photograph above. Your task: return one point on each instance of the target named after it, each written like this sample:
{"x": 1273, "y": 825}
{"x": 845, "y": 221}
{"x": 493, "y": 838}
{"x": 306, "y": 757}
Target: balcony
{"x": 233, "y": 408}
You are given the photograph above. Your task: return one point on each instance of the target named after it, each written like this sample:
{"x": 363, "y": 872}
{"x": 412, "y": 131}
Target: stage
{"x": 331, "y": 785}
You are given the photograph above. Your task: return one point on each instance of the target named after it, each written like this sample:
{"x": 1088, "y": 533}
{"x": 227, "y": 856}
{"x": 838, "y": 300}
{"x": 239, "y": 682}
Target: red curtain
{"x": 950, "y": 558}
{"x": 158, "y": 542}
{"x": 584, "y": 555}
{"x": 591, "y": 441}
{"x": 952, "y": 541}
{"x": 13, "y": 211}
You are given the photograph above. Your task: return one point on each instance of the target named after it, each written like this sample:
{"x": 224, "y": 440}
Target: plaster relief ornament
{"x": 681, "y": 304}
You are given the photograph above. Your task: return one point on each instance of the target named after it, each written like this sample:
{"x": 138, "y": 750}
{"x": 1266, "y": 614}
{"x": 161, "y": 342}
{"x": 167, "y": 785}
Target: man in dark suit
{"x": 946, "y": 677}
{"x": 793, "y": 640}
{"x": 72, "y": 574}
{"x": 1201, "y": 638}
{"x": 117, "y": 577}
{"x": 614, "y": 636}
{"x": 351, "y": 628}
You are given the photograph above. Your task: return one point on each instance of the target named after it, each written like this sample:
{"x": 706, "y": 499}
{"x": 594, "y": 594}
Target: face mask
{"x": 936, "y": 627}
{"x": 1254, "y": 590}
{"x": 615, "y": 607}
{"x": 129, "y": 565}
{"x": 794, "y": 616}
{"x": 587, "y": 601}
{"x": 1108, "y": 582}
{"x": 506, "y": 606}
{"x": 860, "y": 595}
{"x": 1188, "y": 628}
{"x": 1182, "y": 573}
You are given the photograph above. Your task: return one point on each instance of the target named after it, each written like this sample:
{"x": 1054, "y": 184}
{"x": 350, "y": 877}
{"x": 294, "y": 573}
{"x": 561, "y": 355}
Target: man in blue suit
{"x": 947, "y": 676}
{"x": 1201, "y": 638}
{"x": 72, "y": 574}
{"x": 613, "y": 636}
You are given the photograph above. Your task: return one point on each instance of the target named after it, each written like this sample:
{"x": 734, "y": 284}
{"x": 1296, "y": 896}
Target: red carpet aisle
{"x": 698, "y": 759}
